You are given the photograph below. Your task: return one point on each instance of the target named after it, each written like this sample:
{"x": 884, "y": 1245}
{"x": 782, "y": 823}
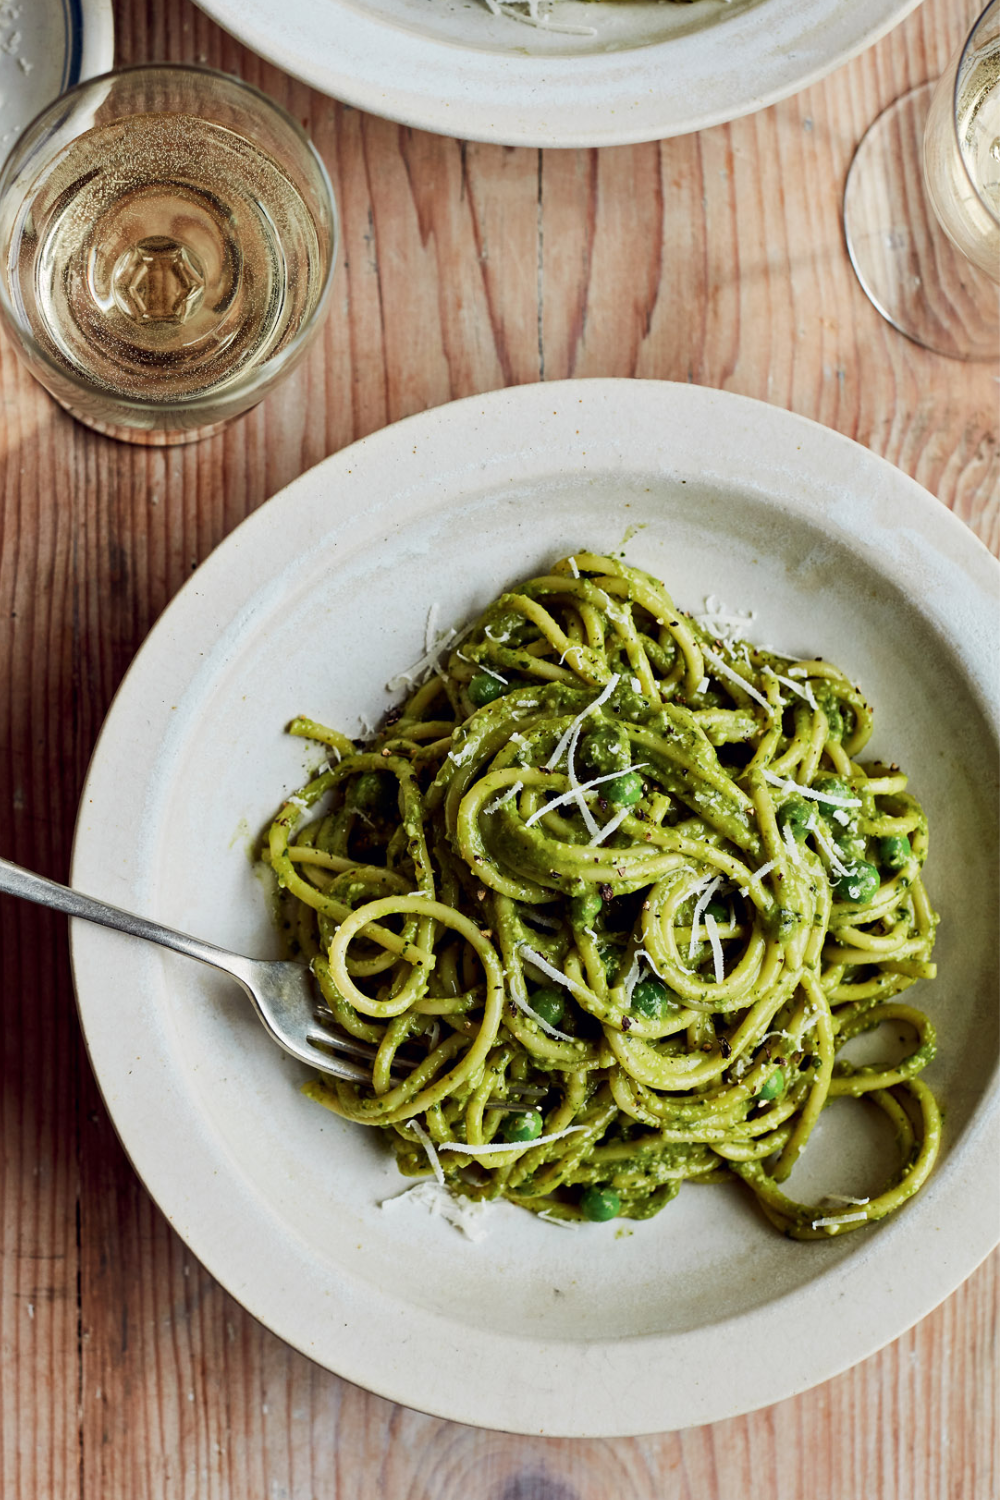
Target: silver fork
{"x": 281, "y": 993}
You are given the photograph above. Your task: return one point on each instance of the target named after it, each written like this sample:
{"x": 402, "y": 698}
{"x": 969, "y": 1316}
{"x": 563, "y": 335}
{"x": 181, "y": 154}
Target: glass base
{"x": 906, "y": 264}
{"x": 147, "y": 437}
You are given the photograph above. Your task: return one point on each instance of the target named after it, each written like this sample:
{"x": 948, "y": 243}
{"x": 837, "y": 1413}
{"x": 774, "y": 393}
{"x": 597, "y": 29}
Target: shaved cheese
{"x": 505, "y": 797}
{"x": 571, "y": 796}
{"x": 841, "y": 817}
{"x": 573, "y": 567}
{"x": 429, "y": 662}
{"x": 711, "y": 927}
{"x": 459, "y": 757}
{"x": 635, "y": 684}
{"x": 461, "y": 1213}
{"x": 794, "y": 853}
{"x": 428, "y": 1145}
{"x": 764, "y": 870}
{"x": 838, "y": 1220}
{"x": 703, "y": 685}
{"x": 551, "y": 922}
{"x": 631, "y": 978}
{"x": 610, "y": 826}
{"x": 828, "y": 848}
{"x": 720, "y": 622}
{"x": 725, "y": 670}
{"x": 543, "y": 21}
{"x": 707, "y": 893}
{"x": 589, "y": 821}
{"x": 556, "y": 975}
{"x": 519, "y": 995}
{"x": 519, "y": 1146}
{"x": 560, "y": 749}
{"x": 807, "y": 791}
{"x": 805, "y": 691}
{"x": 843, "y": 1198}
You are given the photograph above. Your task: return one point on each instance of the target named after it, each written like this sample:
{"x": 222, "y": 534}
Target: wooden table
{"x": 127, "y": 1372}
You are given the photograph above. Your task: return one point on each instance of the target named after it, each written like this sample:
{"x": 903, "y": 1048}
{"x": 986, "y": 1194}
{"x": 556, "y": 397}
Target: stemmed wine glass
{"x": 922, "y": 204}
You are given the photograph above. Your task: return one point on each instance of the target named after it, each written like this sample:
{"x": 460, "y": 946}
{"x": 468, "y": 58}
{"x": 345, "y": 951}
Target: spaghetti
{"x": 609, "y": 895}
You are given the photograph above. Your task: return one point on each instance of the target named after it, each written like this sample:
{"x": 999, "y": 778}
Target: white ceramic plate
{"x": 310, "y": 606}
{"x": 46, "y": 47}
{"x": 649, "y": 70}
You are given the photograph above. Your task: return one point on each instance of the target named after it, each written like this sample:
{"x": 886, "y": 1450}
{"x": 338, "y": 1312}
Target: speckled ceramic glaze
{"x": 46, "y": 47}
{"x": 649, "y": 70}
{"x": 310, "y": 607}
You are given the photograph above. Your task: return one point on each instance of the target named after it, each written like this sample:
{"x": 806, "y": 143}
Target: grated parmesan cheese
{"x": 720, "y": 622}
{"x": 504, "y": 797}
{"x": 571, "y": 796}
{"x": 837, "y": 1220}
{"x": 556, "y": 975}
{"x": 707, "y": 892}
{"x": 519, "y": 1146}
{"x": 589, "y": 821}
{"x": 610, "y": 827}
{"x": 801, "y": 691}
{"x": 428, "y": 1145}
{"x": 828, "y": 849}
{"x": 461, "y": 1213}
{"x": 564, "y": 741}
{"x": 724, "y": 670}
{"x": 534, "y": 17}
{"x": 711, "y": 927}
{"x": 807, "y": 791}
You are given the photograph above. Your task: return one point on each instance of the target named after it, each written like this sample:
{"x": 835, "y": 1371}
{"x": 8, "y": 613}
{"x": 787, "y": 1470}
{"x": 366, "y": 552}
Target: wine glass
{"x": 167, "y": 237}
{"x": 922, "y": 204}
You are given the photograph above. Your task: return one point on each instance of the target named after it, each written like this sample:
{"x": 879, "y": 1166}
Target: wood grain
{"x": 127, "y": 1373}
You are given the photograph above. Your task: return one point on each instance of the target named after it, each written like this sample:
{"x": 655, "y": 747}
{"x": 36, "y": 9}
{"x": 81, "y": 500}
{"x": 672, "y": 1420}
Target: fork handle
{"x": 15, "y": 881}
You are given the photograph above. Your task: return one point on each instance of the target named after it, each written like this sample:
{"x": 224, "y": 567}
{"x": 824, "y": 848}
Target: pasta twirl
{"x": 609, "y": 896}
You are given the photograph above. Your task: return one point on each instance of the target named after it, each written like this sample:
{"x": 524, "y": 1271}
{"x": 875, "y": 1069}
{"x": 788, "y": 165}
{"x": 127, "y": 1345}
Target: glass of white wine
{"x": 922, "y": 204}
{"x": 167, "y": 240}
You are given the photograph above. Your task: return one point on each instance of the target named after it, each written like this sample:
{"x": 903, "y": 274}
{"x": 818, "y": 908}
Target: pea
{"x": 833, "y": 786}
{"x": 895, "y": 852}
{"x": 373, "y": 792}
{"x": 851, "y": 846}
{"x": 600, "y": 1204}
{"x": 717, "y": 910}
{"x": 835, "y": 722}
{"x": 652, "y": 999}
{"x": 606, "y": 749}
{"x": 484, "y": 689}
{"x": 794, "y": 815}
{"x": 611, "y": 959}
{"x": 860, "y": 885}
{"x": 526, "y": 1126}
{"x": 774, "y": 1086}
{"x": 548, "y": 1004}
{"x": 584, "y": 910}
{"x": 625, "y": 790}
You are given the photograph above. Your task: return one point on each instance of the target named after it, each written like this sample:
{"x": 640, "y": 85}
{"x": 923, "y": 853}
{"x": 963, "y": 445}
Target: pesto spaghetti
{"x": 609, "y": 896}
